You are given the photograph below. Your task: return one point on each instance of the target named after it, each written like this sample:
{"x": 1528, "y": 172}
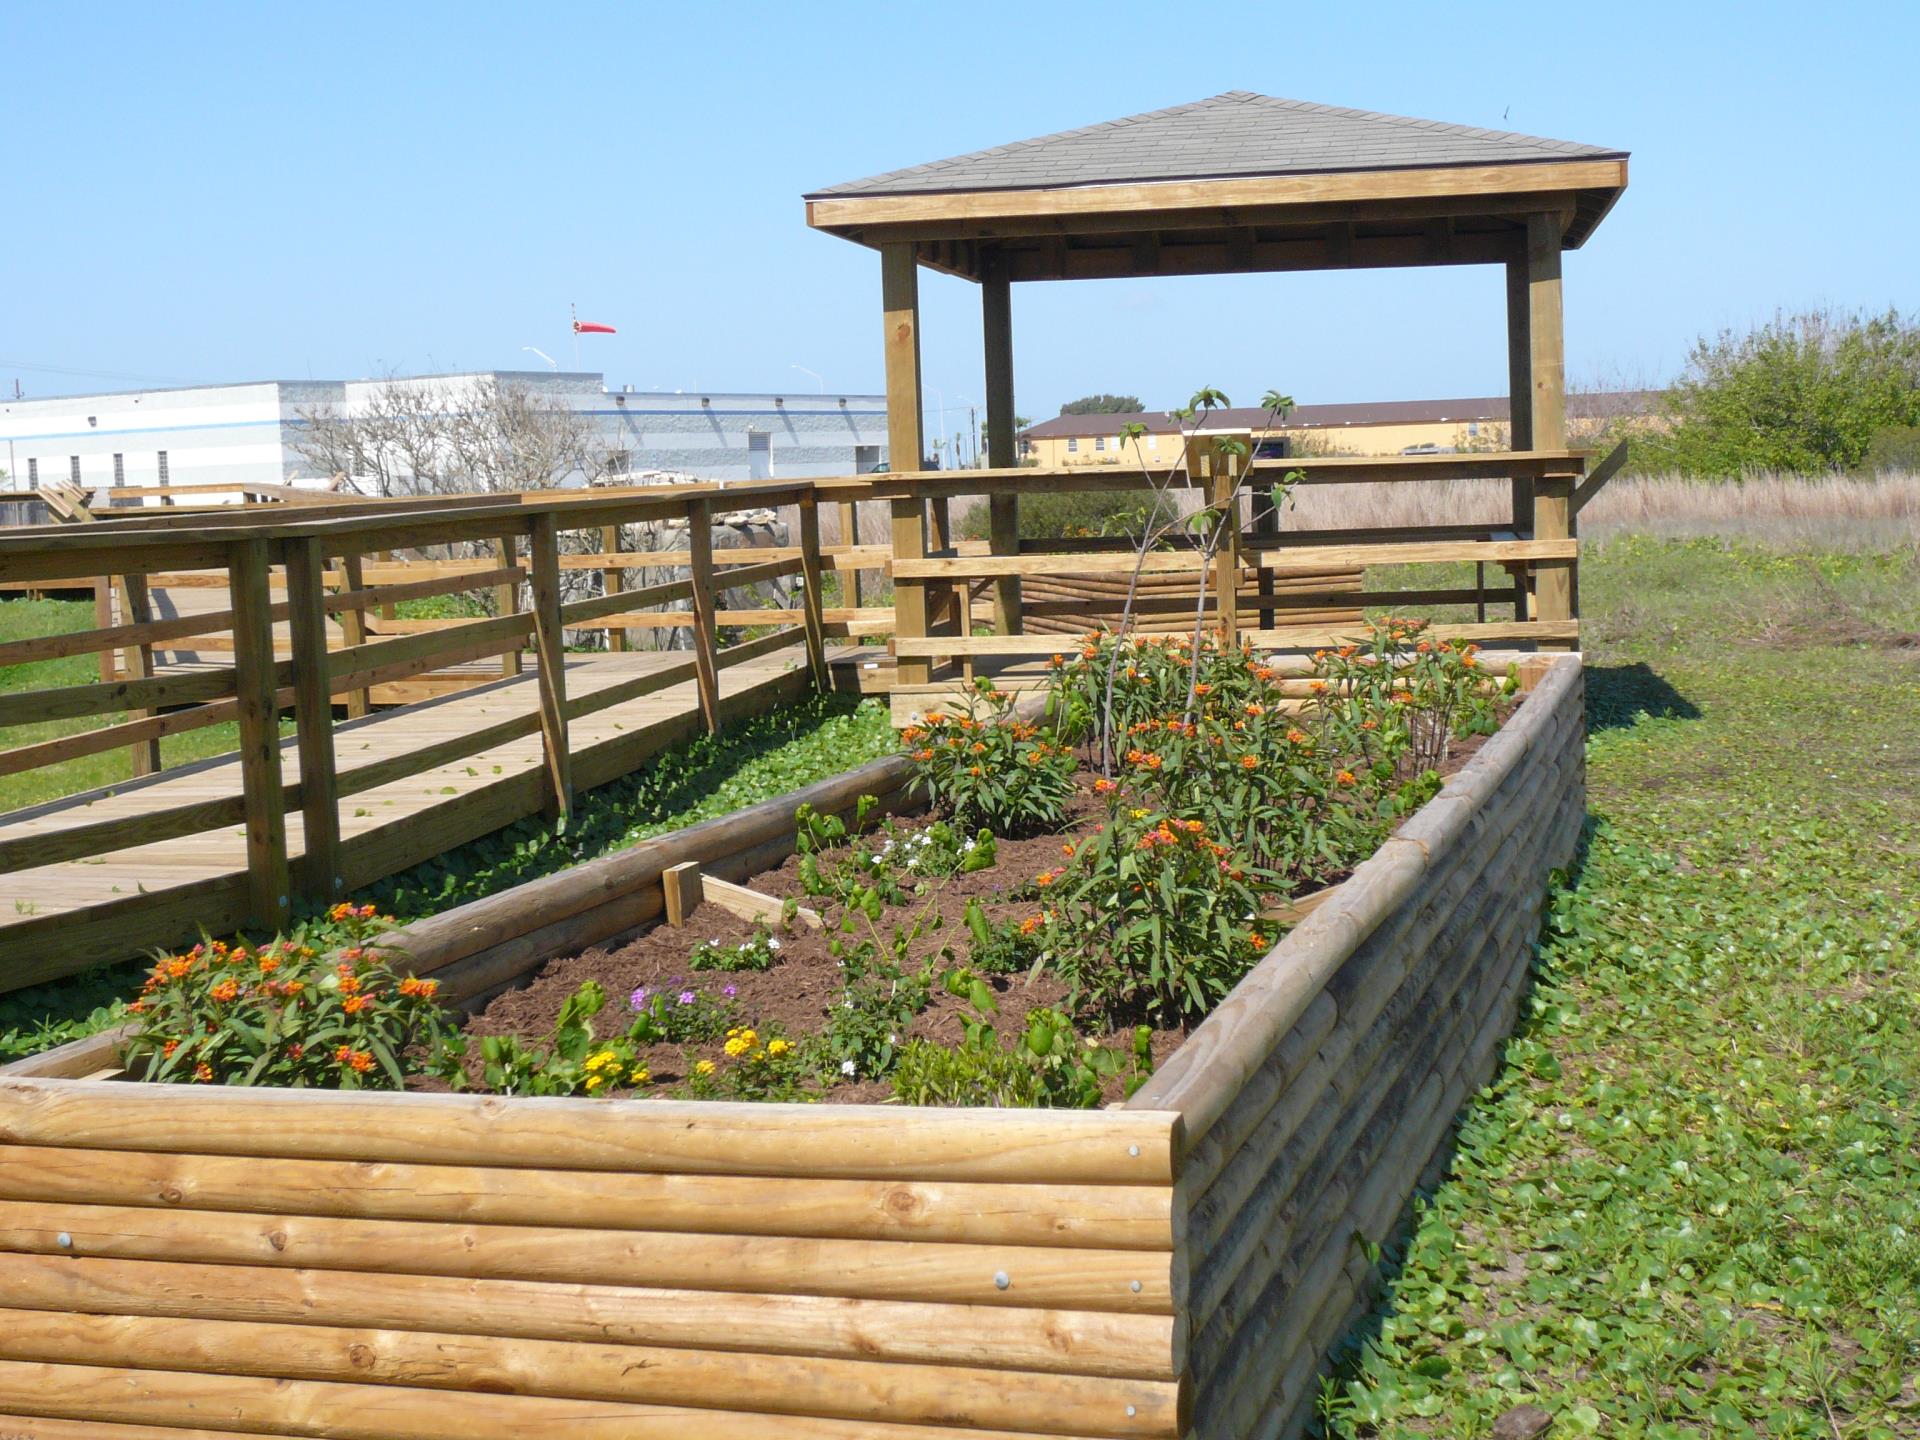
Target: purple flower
{"x": 686, "y": 997}
{"x": 731, "y": 991}
{"x": 638, "y": 1000}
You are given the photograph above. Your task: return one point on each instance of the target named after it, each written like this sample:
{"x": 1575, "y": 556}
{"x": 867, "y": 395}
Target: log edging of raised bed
{"x": 1317, "y": 1094}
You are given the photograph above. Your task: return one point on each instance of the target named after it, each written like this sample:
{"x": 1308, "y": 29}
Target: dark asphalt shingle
{"x": 1238, "y": 133}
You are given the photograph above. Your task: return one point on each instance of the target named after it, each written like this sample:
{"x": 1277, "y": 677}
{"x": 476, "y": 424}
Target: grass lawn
{"x": 1689, "y": 1204}
{"x": 30, "y": 619}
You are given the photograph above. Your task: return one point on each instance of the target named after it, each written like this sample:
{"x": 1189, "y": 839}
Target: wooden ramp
{"x": 115, "y": 904}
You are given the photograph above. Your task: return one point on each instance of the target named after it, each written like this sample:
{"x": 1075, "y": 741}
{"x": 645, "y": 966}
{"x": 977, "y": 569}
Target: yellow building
{"x": 1387, "y": 427}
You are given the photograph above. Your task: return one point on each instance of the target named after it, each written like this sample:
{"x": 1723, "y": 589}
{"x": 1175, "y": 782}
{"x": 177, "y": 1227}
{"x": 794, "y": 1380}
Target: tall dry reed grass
{"x": 1795, "y": 512}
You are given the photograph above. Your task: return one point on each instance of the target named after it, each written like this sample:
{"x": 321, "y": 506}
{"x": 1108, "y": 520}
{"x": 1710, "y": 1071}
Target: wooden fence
{"x": 318, "y": 566}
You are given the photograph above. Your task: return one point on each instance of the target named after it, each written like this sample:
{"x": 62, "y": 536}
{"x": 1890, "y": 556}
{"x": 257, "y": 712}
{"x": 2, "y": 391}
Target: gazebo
{"x": 1239, "y": 182}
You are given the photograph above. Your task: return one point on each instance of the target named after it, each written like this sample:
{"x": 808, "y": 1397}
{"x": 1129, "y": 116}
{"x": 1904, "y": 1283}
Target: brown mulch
{"x": 796, "y": 993}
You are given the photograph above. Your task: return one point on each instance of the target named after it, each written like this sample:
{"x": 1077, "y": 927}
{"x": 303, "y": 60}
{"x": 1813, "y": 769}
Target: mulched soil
{"x": 795, "y": 994}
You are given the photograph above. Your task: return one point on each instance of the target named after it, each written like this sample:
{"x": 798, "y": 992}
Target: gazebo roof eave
{"x": 1417, "y": 201}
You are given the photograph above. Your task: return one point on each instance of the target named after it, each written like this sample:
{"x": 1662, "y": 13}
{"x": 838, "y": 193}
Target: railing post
{"x": 1266, "y": 525}
{"x": 1552, "y": 498}
{"x": 249, "y": 575}
{"x": 134, "y": 604}
{"x": 103, "y": 620}
{"x": 1220, "y": 472}
{"x": 1003, "y": 509}
{"x": 910, "y": 596}
{"x": 810, "y": 602}
{"x": 506, "y": 597}
{"x": 321, "y": 879}
{"x": 612, "y": 582}
{"x": 353, "y": 628}
{"x": 850, "y": 535}
{"x": 543, "y": 550}
{"x": 706, "y": 669}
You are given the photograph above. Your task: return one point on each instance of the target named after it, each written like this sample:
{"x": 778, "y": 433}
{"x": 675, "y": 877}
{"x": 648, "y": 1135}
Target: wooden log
{"x": 1110, "y": 1217}
{"x": 1134, "y": 1282}
{"x": 658, "y": 1136}
{"x": 393, "y": 1412}
{"x": 1050, "y": 1342}
{"x": 852, "y": 1390}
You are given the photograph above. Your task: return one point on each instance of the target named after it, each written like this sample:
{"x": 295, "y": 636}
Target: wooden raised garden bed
{"x": 202, "y": 1262}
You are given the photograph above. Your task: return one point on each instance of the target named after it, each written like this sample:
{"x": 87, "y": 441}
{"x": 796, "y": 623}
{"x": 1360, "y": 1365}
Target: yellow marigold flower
{"x": 640, "y": 1075}
{"x": 737, "y": 1047}
{"x": 601, "y": 1061}
{"x": 703, "y": 1067}
{"x": 778, "y": 1047}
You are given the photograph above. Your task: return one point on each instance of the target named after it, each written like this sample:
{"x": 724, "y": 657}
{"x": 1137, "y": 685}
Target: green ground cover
{"x": 704, "y": 777}
{"x": 1689, "y": 1204}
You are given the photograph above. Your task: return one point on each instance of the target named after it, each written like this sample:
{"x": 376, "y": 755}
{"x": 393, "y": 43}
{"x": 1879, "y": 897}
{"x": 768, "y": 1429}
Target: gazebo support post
{"x": 1553, "y": 499}
{"x": 996, "y": 325}
{"x": 900, "y": 306}
{"x": 1520, "y": 422}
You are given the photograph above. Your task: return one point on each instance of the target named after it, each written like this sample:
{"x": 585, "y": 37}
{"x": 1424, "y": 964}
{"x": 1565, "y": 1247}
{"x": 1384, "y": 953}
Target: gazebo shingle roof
{"x": 1235, "y": 134}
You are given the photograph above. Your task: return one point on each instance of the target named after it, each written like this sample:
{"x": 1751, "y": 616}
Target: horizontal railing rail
{"x": 285, "y": 583}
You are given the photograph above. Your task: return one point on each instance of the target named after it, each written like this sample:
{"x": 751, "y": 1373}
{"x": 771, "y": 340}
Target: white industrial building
{"x": 225, "y": 434}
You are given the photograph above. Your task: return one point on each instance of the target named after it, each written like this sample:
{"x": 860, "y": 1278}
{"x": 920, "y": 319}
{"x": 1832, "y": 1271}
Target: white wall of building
{"x": 224, "y": 434}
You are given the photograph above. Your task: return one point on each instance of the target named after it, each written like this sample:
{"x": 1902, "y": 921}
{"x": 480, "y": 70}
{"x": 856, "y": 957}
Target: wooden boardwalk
{"x": 146, "y": 895}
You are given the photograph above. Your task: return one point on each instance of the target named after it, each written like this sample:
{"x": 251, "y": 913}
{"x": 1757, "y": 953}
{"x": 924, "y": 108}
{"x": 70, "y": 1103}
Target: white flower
{"x": 847, "y": 1067}
{"x": 893, "y": 1040}
{"x": 772, "y": 944}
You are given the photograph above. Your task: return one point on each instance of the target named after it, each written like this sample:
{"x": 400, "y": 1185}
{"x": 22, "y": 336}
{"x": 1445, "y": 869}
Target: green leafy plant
{"x": 286, "y": 1013}
{"x": 987, "y": 768}
{"x": 757, "y": 952}
{"x": 1046, "y": 1064}
{"x": 1151, "y": 918}
{"x": 569, "y": 1061}
{"x": 1003, "y": 948}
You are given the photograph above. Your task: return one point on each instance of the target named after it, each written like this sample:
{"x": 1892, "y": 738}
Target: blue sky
{"x": 200, "y": 193}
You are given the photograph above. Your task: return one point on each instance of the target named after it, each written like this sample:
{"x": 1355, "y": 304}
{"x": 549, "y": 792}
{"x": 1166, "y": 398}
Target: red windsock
{"x": 587, "y": 327}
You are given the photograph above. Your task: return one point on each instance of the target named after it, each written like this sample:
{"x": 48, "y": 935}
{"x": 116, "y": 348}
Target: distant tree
{"x": 475, "y": 436}
{"x": 1806, "y": 392}
{"x": 1103, "y": 405}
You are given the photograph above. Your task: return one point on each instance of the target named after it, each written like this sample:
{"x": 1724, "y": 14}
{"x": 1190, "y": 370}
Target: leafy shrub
{"x": 1068, "y": 514}
{"x": 987, "y": 768}
{"x": 1152, "y": 918}
{"x": 286, "y": 1013}
{"x": 1804, "y": 392}
{"x": 1895, "y": 450}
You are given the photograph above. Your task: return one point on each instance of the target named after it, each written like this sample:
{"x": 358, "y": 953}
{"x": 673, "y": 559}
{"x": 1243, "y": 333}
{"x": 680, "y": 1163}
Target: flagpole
{"x": 574, "y": 311}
